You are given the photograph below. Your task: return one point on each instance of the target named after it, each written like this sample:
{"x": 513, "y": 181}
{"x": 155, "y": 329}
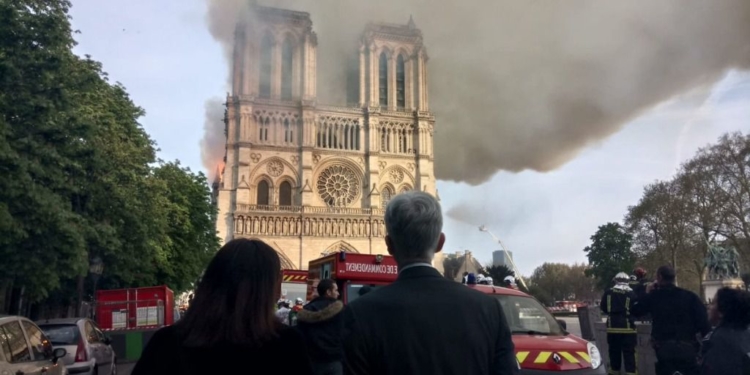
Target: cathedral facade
{"x": 311, "y": 179}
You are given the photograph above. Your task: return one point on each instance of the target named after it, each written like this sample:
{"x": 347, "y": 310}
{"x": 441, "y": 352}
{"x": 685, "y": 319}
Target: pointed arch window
{"x": 286, "y": 70}
{"x": 288, "y": 131}
{"x": 400, "y": 82}
{"x": 264, "y": 91}
{"x": 263, "y": 129}
{"x": 285, "y": 194}
{"x": 385, "y": 196}
{"x": 263, "y": 193}
{"x": 383, "y": 79}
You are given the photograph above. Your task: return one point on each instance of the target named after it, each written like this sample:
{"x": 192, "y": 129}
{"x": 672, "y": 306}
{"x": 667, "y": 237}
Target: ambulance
{"x": 354, "y": 273}
{"x": 542, "y": 344}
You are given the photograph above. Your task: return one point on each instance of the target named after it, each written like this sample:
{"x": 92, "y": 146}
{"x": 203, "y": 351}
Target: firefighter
{"x": 639, "y": 284}
{"x": 678, "y": 316}
{"x": 621, "y": 333}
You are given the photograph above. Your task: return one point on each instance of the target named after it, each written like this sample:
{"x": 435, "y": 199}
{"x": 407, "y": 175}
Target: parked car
{"x": 88, "y": 349}
{"x": 26, "y": 350}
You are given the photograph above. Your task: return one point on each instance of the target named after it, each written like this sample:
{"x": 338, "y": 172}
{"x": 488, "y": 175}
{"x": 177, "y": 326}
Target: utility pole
{"x": 483, "y": 228}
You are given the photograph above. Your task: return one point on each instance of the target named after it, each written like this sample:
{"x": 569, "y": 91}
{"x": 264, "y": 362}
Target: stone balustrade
{"x": 262, "y": 220}
{"x": 258, "y": 209}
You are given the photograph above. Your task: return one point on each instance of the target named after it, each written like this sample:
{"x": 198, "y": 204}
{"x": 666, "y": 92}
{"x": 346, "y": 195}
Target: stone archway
{"x": 286, "y": 263}
{"x": 340, "y": 247}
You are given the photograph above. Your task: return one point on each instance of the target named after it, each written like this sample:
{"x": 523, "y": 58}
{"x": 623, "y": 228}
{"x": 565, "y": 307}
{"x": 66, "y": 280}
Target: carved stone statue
{"x": 722, "y": 263}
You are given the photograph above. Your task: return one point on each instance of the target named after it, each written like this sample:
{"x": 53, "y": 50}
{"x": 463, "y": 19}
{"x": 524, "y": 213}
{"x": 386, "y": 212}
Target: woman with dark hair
{"x": 231, "y": 325}
{"x": 725, "y": 350}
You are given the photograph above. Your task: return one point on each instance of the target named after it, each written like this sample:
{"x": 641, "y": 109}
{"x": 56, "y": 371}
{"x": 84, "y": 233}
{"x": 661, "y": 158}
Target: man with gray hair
{"x": 424, "y": 323}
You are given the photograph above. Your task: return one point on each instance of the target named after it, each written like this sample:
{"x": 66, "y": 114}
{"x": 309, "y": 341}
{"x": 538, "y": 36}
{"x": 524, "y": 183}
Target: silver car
{"x": 88, "y": 349}
{"x": 26, "y": 350}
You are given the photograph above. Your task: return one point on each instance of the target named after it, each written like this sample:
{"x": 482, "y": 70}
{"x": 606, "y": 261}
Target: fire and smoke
{"x": 528, "y": 84}
{"x": 213, "y": 142}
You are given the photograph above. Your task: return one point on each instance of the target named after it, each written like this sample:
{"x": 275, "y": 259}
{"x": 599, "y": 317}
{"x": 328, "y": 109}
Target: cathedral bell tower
{"x": 309, "y": 178}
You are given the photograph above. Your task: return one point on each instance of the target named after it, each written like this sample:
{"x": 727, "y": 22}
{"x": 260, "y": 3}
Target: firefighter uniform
{"x": 621, "y": 332}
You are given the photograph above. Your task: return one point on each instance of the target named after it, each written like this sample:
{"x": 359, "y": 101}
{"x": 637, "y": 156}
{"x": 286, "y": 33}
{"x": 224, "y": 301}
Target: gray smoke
{"x": 213, "y": 142}
{"x": 527, "y": 84}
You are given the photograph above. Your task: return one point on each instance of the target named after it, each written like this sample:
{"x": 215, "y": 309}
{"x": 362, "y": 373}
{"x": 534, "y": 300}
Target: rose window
{"x": 338, "y": 186}
{"x": 396, "y": 175}
{"x": 275, "y": 168}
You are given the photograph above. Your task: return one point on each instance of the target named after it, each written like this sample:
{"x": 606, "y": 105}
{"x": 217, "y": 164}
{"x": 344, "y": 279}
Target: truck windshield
{"x": 354, "y": 291}
{"x": 526, "y": 316}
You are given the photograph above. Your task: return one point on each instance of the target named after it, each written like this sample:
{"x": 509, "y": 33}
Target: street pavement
{"x": 125, "y": 368}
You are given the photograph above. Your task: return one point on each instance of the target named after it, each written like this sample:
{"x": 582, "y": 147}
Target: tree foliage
{"x": 707, "y": 201}
{"x": 609, "y": 253}
{"x": 552, "y": 282}
{"x": 498, "y": 273}
{"x": 78, "y": 173}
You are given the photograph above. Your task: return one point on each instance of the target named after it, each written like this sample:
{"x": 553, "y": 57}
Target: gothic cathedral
{"x": 307, "y": 178}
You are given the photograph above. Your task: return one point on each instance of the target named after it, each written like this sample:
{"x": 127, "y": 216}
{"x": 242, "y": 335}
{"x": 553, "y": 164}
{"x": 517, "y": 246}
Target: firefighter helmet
{"x": 639, "y": 273}
{"x": 622, "y": 277}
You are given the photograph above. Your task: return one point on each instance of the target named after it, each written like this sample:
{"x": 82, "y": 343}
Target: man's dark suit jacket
{"x": 426, "y": 324}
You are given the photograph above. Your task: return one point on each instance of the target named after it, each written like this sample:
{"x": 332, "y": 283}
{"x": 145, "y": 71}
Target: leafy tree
{"x": 707, "y": 201}
{"x": 553, "y": 278}
{"x": 191, "y": 230}
{"x": 609, "y": 253}
{"x": 541, "y": 295}
{"x": 552, "y": 282}
{"x": 498, "y": 273}
{"x": 78, "y": 173}
{"x": 583, "y": 286}
{"x": 41, "y": 237}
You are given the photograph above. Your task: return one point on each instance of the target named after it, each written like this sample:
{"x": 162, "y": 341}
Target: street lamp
{"x": 96, "y": 267}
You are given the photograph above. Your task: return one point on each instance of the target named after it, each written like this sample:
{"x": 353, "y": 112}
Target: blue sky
{"x": 163, "y": 54}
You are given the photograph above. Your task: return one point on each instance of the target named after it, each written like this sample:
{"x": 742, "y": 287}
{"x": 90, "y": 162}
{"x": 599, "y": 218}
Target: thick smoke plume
{"x": 213, "y": 142}
{"x": 527, "y": 84}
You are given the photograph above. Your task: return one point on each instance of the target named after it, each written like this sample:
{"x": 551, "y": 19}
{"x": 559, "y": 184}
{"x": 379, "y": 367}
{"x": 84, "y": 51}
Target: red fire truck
{"x": 352, "y": 272}
{"x": 294, "y": 284}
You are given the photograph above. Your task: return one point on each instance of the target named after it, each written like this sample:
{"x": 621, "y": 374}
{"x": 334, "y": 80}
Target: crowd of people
{"x": 681, "y": 326}
{"x": 234, "y": 324}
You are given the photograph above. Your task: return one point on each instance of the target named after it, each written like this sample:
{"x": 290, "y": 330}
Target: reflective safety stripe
{"x": 521, "y": 356}
{"x": 627, "y": 312}
{"x": 609, "y": 308}
{"x": 621, "y": 330}
{"x": 542, "y": 357}
{"x": 568, "y": 356}
{"x": 585, "y": 356}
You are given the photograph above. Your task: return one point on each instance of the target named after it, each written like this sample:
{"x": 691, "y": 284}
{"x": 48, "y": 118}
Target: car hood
{"x": 552, "y": 353}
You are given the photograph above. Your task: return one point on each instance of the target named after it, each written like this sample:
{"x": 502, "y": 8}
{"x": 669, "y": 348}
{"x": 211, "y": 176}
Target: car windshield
{"x": 526, "y": 315}
{"x": 62, "y": 334}
{"x": 354, "y": 291}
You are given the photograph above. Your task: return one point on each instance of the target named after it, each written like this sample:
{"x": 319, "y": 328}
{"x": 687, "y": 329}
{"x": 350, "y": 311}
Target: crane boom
{"x": 483, "y": 228}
